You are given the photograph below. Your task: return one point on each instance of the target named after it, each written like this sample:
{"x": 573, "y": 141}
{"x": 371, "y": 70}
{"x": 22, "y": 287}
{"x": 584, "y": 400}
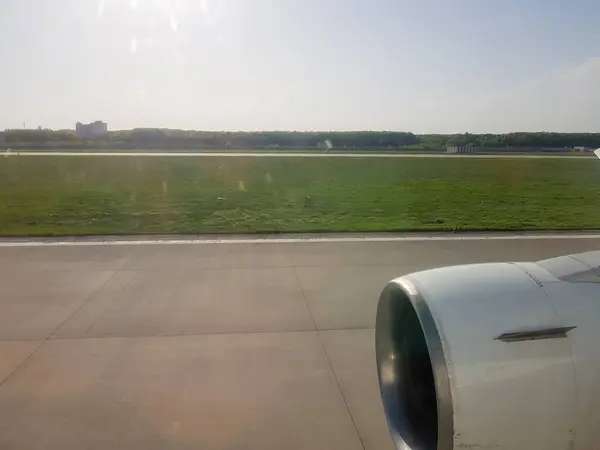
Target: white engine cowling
{"x": 500, "y": 356}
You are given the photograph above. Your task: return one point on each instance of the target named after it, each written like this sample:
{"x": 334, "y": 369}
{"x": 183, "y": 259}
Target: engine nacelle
{"x": 493, "y": 356}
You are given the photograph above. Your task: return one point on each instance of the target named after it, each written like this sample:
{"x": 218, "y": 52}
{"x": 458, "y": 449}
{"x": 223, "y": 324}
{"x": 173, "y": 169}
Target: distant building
{"x": 91, "y": 130}
{"x": 469, "y": 148}
{"x": 582, "y": 149}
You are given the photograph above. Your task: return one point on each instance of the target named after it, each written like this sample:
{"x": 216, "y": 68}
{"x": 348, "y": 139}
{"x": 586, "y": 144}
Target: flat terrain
{"x": 49, "y": 195}
{"x": 305, "y": 153}
{"x": 216, "y": 346}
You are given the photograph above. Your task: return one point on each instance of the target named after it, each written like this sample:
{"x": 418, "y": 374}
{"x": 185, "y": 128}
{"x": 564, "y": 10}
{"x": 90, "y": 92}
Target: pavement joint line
{"x": 49, "y": 337}
{"x": 85, "y": 302}
{"x": 331, "y": 368}
{"x": 209, "y": 333}
{"x": 341, "y": 391}
{"x": 117, "y": 298}
{"x": 303, "y": 294}
{"x": 6, "y": 243}
{"x": 23, "y": 364}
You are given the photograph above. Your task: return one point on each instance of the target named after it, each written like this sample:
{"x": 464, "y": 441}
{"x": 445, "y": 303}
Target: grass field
{"x": 120, "y": 195}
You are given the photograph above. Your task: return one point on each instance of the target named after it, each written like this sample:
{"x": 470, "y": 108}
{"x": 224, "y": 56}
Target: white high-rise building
{"x": 91, "y": 130}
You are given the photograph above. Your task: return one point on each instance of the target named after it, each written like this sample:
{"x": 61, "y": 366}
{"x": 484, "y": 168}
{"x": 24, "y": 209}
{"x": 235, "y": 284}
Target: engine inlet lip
{"x": 406, "y": 288}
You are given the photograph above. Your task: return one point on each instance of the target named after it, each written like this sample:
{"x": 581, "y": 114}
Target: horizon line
{"x": 313, "y": 131}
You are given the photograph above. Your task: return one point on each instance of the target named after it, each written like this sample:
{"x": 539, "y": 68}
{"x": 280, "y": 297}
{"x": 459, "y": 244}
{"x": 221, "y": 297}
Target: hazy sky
{"x": 412, "y": 65}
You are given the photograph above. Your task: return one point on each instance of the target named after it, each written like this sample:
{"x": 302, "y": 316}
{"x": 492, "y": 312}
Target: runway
{"x": 220, "y": 345}
{"x": 293, "y": 154}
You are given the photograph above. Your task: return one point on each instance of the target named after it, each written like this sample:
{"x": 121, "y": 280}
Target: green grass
{"x": 120, "y": 195}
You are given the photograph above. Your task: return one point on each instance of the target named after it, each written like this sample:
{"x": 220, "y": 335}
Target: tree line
{"x": 157, "y": 138}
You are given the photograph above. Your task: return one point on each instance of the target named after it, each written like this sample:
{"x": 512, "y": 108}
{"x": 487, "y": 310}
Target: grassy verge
{"x": 120, "y": 195}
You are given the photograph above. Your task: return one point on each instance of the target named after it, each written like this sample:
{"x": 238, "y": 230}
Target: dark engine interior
{"x": 406, "y": 375}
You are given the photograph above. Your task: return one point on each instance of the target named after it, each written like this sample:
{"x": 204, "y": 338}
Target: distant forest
{"x": 155, "y": 138}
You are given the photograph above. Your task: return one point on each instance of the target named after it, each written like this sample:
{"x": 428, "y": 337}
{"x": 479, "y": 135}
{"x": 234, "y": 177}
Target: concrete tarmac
{"x": 241, "y": 346}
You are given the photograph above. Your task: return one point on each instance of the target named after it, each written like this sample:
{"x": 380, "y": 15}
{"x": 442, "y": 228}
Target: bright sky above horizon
{"x": 426, "y": 66}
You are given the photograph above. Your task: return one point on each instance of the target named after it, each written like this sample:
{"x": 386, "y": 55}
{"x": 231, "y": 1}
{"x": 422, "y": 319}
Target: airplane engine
{"x": 498, "y": 356}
